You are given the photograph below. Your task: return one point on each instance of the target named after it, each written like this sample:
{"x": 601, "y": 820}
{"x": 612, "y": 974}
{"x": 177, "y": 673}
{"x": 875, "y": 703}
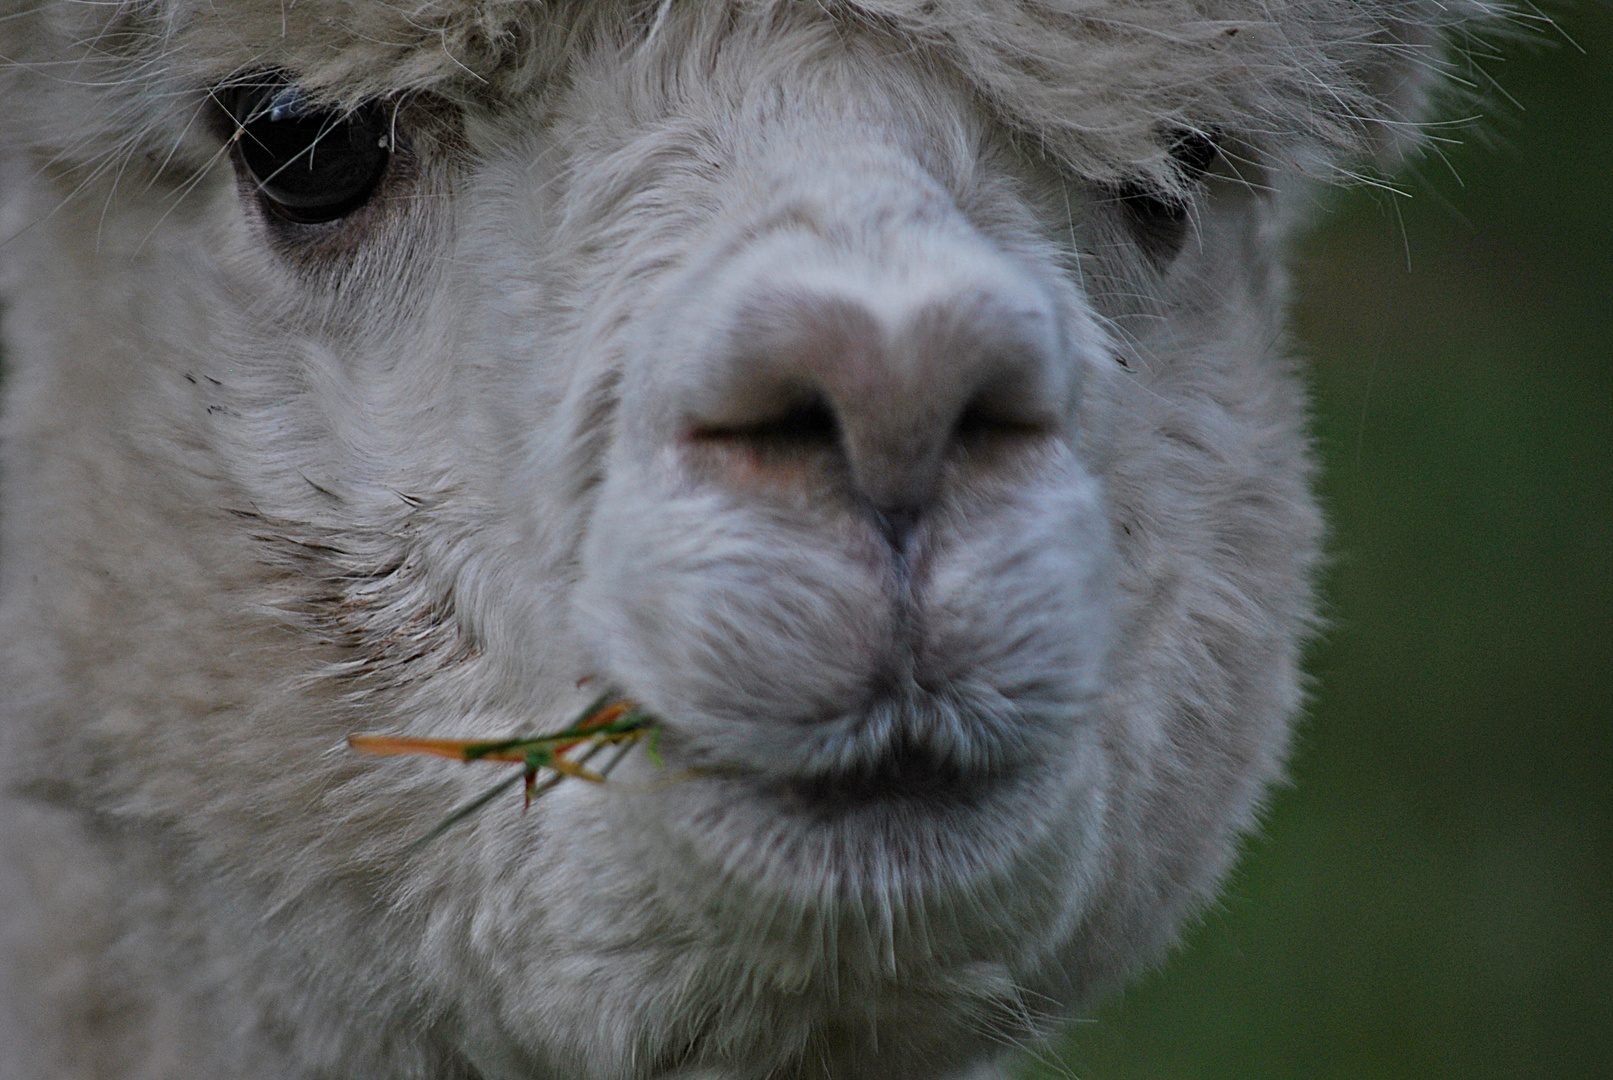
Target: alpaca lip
{"x": 908, "y": 774}
{"x": 902, "y": 744}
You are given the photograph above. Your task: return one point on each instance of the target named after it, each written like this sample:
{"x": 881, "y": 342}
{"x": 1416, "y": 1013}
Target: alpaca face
{"x": 890, "y": 404}
{"x": 804, "y": 377}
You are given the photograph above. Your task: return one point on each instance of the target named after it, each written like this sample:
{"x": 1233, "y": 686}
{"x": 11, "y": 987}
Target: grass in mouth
{"x": 565, "y": 754}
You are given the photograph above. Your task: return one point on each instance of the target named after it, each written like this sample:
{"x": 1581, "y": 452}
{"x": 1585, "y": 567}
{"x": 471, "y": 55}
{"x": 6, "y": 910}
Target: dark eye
{"x": 1194, "y": 153}
{"x": 310, "y": 164}
{"x": 1159, "y": 222}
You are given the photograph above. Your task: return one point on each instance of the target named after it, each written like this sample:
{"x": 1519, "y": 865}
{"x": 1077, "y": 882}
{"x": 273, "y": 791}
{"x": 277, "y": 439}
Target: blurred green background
{"x": 1434, "y": 895}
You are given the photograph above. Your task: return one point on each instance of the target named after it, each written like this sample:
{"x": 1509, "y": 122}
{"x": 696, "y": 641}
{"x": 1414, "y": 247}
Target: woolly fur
{"x": 489, "y": 445}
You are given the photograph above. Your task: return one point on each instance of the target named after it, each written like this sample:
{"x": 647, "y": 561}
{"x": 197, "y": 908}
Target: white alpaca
{"x": 888, "y": 394}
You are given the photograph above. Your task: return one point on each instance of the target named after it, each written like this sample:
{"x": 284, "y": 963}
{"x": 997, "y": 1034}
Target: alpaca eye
{"x": 1159, "y": 222}
{"x": 310, "y": 164}
{"x": 1194, "y": 153}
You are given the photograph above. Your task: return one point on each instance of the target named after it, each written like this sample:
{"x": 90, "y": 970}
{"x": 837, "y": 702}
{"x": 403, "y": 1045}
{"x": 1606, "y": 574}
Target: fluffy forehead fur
{"x": 1100, "y": 84}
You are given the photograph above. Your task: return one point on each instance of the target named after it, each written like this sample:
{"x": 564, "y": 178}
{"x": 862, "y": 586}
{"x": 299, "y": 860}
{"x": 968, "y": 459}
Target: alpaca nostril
{"x": 802, "y": 423}
{"x": 875, "y": 386}
{"x": 986, "y": 420}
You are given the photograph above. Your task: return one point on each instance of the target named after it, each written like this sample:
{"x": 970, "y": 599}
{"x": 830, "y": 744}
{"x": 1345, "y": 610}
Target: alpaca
{"x": 890, "y": 396}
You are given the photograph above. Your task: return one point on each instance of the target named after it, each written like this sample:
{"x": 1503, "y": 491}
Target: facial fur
{"x": 890, "y": 396}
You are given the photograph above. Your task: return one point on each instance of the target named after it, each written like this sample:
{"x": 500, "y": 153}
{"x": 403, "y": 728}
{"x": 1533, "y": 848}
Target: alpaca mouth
{"x": 912, "y": 819}
{"x": 909, "y": 755}
{"x": 908, "y": 774}
{"x": 937, "y": 742}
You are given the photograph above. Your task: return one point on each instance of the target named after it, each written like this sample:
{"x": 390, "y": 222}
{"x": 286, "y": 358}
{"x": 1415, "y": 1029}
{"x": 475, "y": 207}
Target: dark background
{"x": 1433, "y": 897}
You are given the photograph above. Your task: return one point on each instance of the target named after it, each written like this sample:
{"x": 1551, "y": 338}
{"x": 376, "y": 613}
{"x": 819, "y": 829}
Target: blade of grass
{"x": 603, "y": 723}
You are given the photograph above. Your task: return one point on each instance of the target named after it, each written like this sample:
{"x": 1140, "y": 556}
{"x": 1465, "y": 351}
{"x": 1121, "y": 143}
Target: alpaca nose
{"x": 886, "y": 381}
